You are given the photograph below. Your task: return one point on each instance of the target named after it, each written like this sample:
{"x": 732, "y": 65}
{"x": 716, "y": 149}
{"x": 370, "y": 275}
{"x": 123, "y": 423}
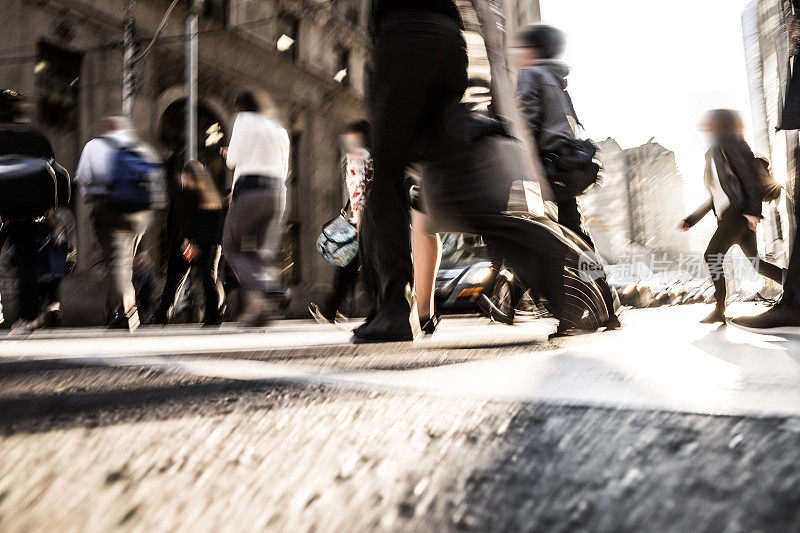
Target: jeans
{"x": 732, "y": 229}
{"x": 119, "y": 235}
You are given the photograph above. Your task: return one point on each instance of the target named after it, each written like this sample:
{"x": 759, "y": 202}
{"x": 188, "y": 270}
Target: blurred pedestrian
{"x": 420, "y": 78}
{"x": 259, "y": 155}
{"x": 121, "y": 178}
{"x": 58, "y": 254}
{"x": 196, "y": 215}
{"x": 358, "y": 175}
{"x": 733, "y": 184}
{"x": 25, "y": 233}
{"x": 550, "y": 115}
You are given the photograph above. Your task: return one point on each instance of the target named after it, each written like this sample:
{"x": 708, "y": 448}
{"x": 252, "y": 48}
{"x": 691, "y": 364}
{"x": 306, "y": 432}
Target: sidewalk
{"x": 662, "y": 359}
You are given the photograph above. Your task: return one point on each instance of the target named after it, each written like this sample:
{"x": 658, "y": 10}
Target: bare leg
{"x": 426, "y": 251}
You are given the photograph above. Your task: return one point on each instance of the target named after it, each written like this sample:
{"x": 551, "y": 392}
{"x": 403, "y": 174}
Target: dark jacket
{"x": 738, "y": 177}
{"x": 545, "y": 103}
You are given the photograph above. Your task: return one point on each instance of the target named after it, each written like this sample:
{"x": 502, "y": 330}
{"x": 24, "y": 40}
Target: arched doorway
{"x": 211, "y": 136}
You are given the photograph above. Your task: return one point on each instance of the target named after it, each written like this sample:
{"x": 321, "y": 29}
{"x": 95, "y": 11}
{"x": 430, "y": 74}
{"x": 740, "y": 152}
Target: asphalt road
{"x": 473, "y": 430}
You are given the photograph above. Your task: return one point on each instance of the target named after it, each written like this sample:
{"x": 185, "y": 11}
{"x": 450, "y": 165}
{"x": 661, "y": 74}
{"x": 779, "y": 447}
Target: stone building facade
{"x": 638, "y": 206}
{"x": 768, "y": 49}
{"x": 307, "y": 59}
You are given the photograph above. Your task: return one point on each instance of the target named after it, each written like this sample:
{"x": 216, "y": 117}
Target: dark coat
{"x": 545, "y": 104}
{"x": 738, "y": 177}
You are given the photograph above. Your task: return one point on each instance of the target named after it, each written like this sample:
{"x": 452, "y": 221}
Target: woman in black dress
{"x": 197, "y": 215}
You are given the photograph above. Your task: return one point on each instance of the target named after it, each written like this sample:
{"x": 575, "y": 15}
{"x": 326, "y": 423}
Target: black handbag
{"x": 28, "y": 187}
{"x": 338, "y": 241}
{"x": 572, "y": 168}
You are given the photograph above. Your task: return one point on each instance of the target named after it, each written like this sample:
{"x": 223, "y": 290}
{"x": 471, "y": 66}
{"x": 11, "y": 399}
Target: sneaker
{"x": 779, "y": 320}
{"x": 716, "y": 316}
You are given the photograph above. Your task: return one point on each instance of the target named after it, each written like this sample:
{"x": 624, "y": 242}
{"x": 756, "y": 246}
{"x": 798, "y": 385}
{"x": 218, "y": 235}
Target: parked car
{"x": 463, "y": 275}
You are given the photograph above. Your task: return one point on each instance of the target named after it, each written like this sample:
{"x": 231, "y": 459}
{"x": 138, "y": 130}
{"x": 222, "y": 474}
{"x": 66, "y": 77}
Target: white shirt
{"x": 94, "y": 166}
{"x": 259, "y": 146}
{"x": 718, "y": 196}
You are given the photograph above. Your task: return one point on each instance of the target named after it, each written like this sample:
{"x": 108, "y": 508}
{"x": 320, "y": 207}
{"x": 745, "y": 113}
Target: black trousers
{"x": 732, "y": 229}
{"x": 420, "y": 68}
{"x": 178, "y": 268}
{"x": 26, "y": 238}
{"x": 571, "y": 217}
{"x": 421, "y": 75}
{"x": 344, "y": 280}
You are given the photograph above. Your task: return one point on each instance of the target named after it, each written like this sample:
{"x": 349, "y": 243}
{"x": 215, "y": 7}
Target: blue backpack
{"x": 136, "y": 183}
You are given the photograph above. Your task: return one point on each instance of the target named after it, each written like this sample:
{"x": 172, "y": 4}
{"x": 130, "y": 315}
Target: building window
{"x": 342, "y": 70}
{"x": 217, "y": 9}
{"x": 286, "y": 40}
{"x": 57, "y": 72}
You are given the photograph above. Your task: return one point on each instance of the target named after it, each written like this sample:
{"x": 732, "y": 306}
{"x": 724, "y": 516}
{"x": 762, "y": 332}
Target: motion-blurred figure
{"x": 119, "y": 175}
{"x": 732, "y": 180}
{"x": 549, "y": 113}
{"x": 358, "y": 175}
{"x": 259, "y": 155}
{"x": 26, "y": 234}
{"x": 196, "y": 218}
{"x": 419, "y": 69}
{"x": 58, "y": 254}
{"x": 420, "y": 78}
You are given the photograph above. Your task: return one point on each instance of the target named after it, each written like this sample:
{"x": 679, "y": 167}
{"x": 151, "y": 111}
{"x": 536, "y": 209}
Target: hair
{"x": 548, "y": 40}
{"x": 209, "y": 195}
{"x": 11, "y": 106}
{"x": 363, "y": 127}
{"x": 114, "y": 123}
{"x": 725, "y": 122}
{"x": 246, "y": 101}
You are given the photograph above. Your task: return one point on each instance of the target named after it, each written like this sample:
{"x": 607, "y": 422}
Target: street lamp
{"x": 191, "y": 78}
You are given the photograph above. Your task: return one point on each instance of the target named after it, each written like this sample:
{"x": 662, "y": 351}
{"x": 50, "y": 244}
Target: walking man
{"x": 259, "y": 156}
{"x": 120, "y": 177}
{"x": 549, "y": 113}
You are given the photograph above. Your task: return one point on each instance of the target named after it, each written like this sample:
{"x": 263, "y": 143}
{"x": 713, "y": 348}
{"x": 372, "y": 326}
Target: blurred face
{"x": 525, "y": 57}
{"x": 353, "y": 140}
{"x": 187, "y": 181}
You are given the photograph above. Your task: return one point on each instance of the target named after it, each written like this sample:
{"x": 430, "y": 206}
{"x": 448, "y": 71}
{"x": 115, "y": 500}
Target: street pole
{"x": 191, "y": 79}
{"x": 127, "y": 61}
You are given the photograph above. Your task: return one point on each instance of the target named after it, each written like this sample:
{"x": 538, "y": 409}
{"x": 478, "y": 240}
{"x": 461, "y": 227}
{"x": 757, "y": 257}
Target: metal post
{"x": 191, "y": 80}
{"x": 127, "y": 63}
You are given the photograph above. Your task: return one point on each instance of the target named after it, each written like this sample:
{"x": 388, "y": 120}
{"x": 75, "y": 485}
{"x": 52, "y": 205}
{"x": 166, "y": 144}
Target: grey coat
{"x": 546, "y": 106}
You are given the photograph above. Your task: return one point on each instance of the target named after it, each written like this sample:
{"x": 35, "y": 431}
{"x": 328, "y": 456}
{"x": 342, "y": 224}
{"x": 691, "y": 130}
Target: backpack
{"x": 770, "y": 189}
{"x": 135, "y": 182}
